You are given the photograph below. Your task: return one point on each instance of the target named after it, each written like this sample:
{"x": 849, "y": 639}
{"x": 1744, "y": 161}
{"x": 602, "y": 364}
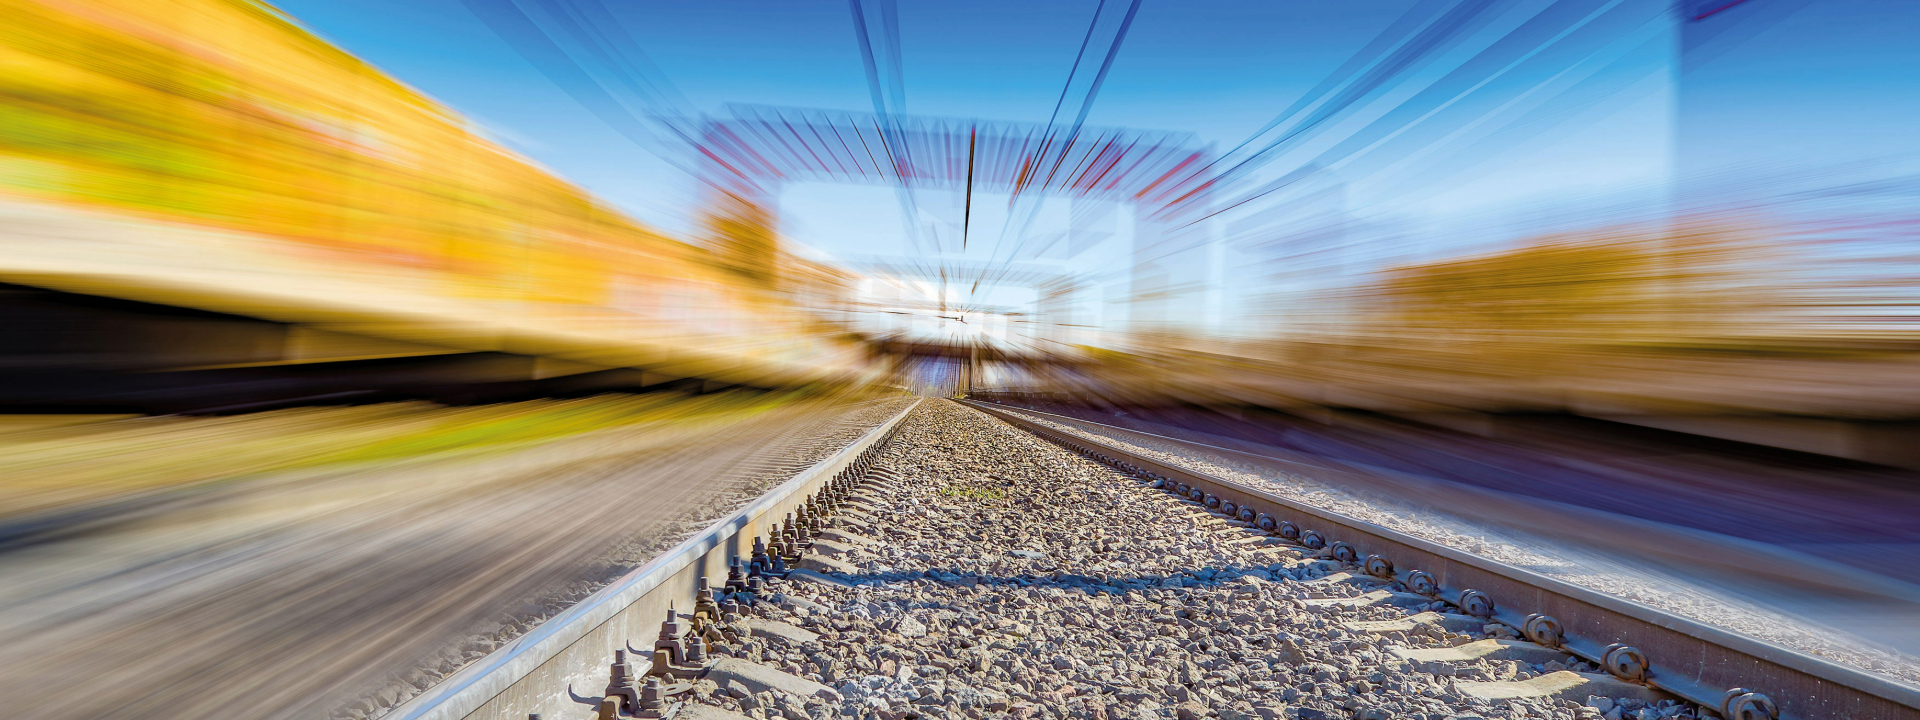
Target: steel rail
{"x": 1694, "y": 661}
{"x": 1683, "y": 546}
{"x": 547, "y": 665}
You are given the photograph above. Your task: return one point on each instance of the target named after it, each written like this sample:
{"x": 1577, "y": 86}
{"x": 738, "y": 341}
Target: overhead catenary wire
{"x": 1411, "y": 42}
{"x": 1080, "y": 118}
{"x": 1524, "y": 60}
{"x": 888, "y": 129}
{"x": 1078, "y": 56}
{"x": 1046, "y": 134}
{"x": 1551, "y": 25}
{"x": 966, "y": 217}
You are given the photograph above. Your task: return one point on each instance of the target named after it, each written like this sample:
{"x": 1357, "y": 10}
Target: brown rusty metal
{"x": 1421, "y": 582}
{"x": 1475, "y": 603}
{"x": 1542, "y": 630}
{"x": 1625, "y": 662}
{"x": 620, "y": 685}
{"x": 1340, "y": 550}
{"x": 1378, "y": 566}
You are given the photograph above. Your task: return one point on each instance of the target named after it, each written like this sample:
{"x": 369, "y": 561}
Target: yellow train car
{"x": 213, "y": 154}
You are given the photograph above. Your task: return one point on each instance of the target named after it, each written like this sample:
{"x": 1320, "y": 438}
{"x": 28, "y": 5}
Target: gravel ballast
{"x": 995, "y": 575}
{"x": 1665, "y": 591}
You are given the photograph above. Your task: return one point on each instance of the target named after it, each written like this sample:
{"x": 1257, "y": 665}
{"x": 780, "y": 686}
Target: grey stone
{"x": 758, "y": 678}
{"x": 807, "y": 575}
{"x": 776, "y": 630}
{"x": 827, "y": 565}
{"x": 847, "y": 537}
{"x": 796, "y": 603}
{"x": 696, "y": 711}
{"x": 831, "y": 548}
{"x": 909, "y": 627}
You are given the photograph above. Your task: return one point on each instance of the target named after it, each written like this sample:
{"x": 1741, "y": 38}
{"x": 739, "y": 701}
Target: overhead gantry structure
{"x": 759, "y": 147}
{"x": 750, "y": 153}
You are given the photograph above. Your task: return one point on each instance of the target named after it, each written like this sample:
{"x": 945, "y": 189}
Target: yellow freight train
{"x": 213, "y": 154}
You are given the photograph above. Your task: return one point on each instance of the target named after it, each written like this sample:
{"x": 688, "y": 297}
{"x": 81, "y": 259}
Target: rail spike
{"x": 1421, "y": 582}
{"x": 1343, "y": 552}
{"x": 1312, "y": 539}
{"x": 1378, "y": 566}
{"x": 1543, "y": 630}
{"x": 1476, "y": 603}
{"x": 1625, "y": 662}
{"x": 1744, "y": 704}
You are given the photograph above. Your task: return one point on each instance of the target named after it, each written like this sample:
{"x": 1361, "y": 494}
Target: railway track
{"x": 339, "y": 589}
{"x": 955, "y": 563}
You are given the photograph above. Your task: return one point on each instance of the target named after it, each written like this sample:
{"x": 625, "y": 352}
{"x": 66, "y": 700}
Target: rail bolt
{"x": 653, "y": 699}
{"x": 1246, "y": 514}
{"x": 1195, "y": 494}
{"x": 1625, "y": 662}
{"x": 620, "y": 682}
{"x": 1157, "y": 483}
{"x": 1312, "y": 539}
{"x": 1289, "y": 530}
{"x": 1378, "y": 566}
{"x": 1181, "y": 489}
{"x": 1265, "y": 522}
{"x": 1744, "y": 704}
{"x": 1229, "y": 507}
{"x": 1543, "y": 630}
{"x": 1421, "y": 582}
{"x": 1213, "y": 501}
{"x": 1343, "y": 552}
{"x": 1475, "y": 603}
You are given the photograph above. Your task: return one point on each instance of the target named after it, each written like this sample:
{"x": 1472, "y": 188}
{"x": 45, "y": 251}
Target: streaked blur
{"x": 378, "y": 274}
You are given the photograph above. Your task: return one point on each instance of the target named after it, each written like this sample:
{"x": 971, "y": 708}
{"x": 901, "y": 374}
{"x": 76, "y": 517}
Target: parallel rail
{"x": 535, "y": 672}
{"x": 1696, "y": 662}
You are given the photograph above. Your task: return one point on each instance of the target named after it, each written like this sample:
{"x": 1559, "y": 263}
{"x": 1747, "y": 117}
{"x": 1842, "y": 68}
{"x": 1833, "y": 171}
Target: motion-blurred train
{"x": 202, "y": 204}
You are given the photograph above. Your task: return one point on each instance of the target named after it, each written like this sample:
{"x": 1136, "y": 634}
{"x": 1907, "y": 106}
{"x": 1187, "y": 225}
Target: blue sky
{"x": 1601, "y": 115}
{"x": 1219, "y": 70}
